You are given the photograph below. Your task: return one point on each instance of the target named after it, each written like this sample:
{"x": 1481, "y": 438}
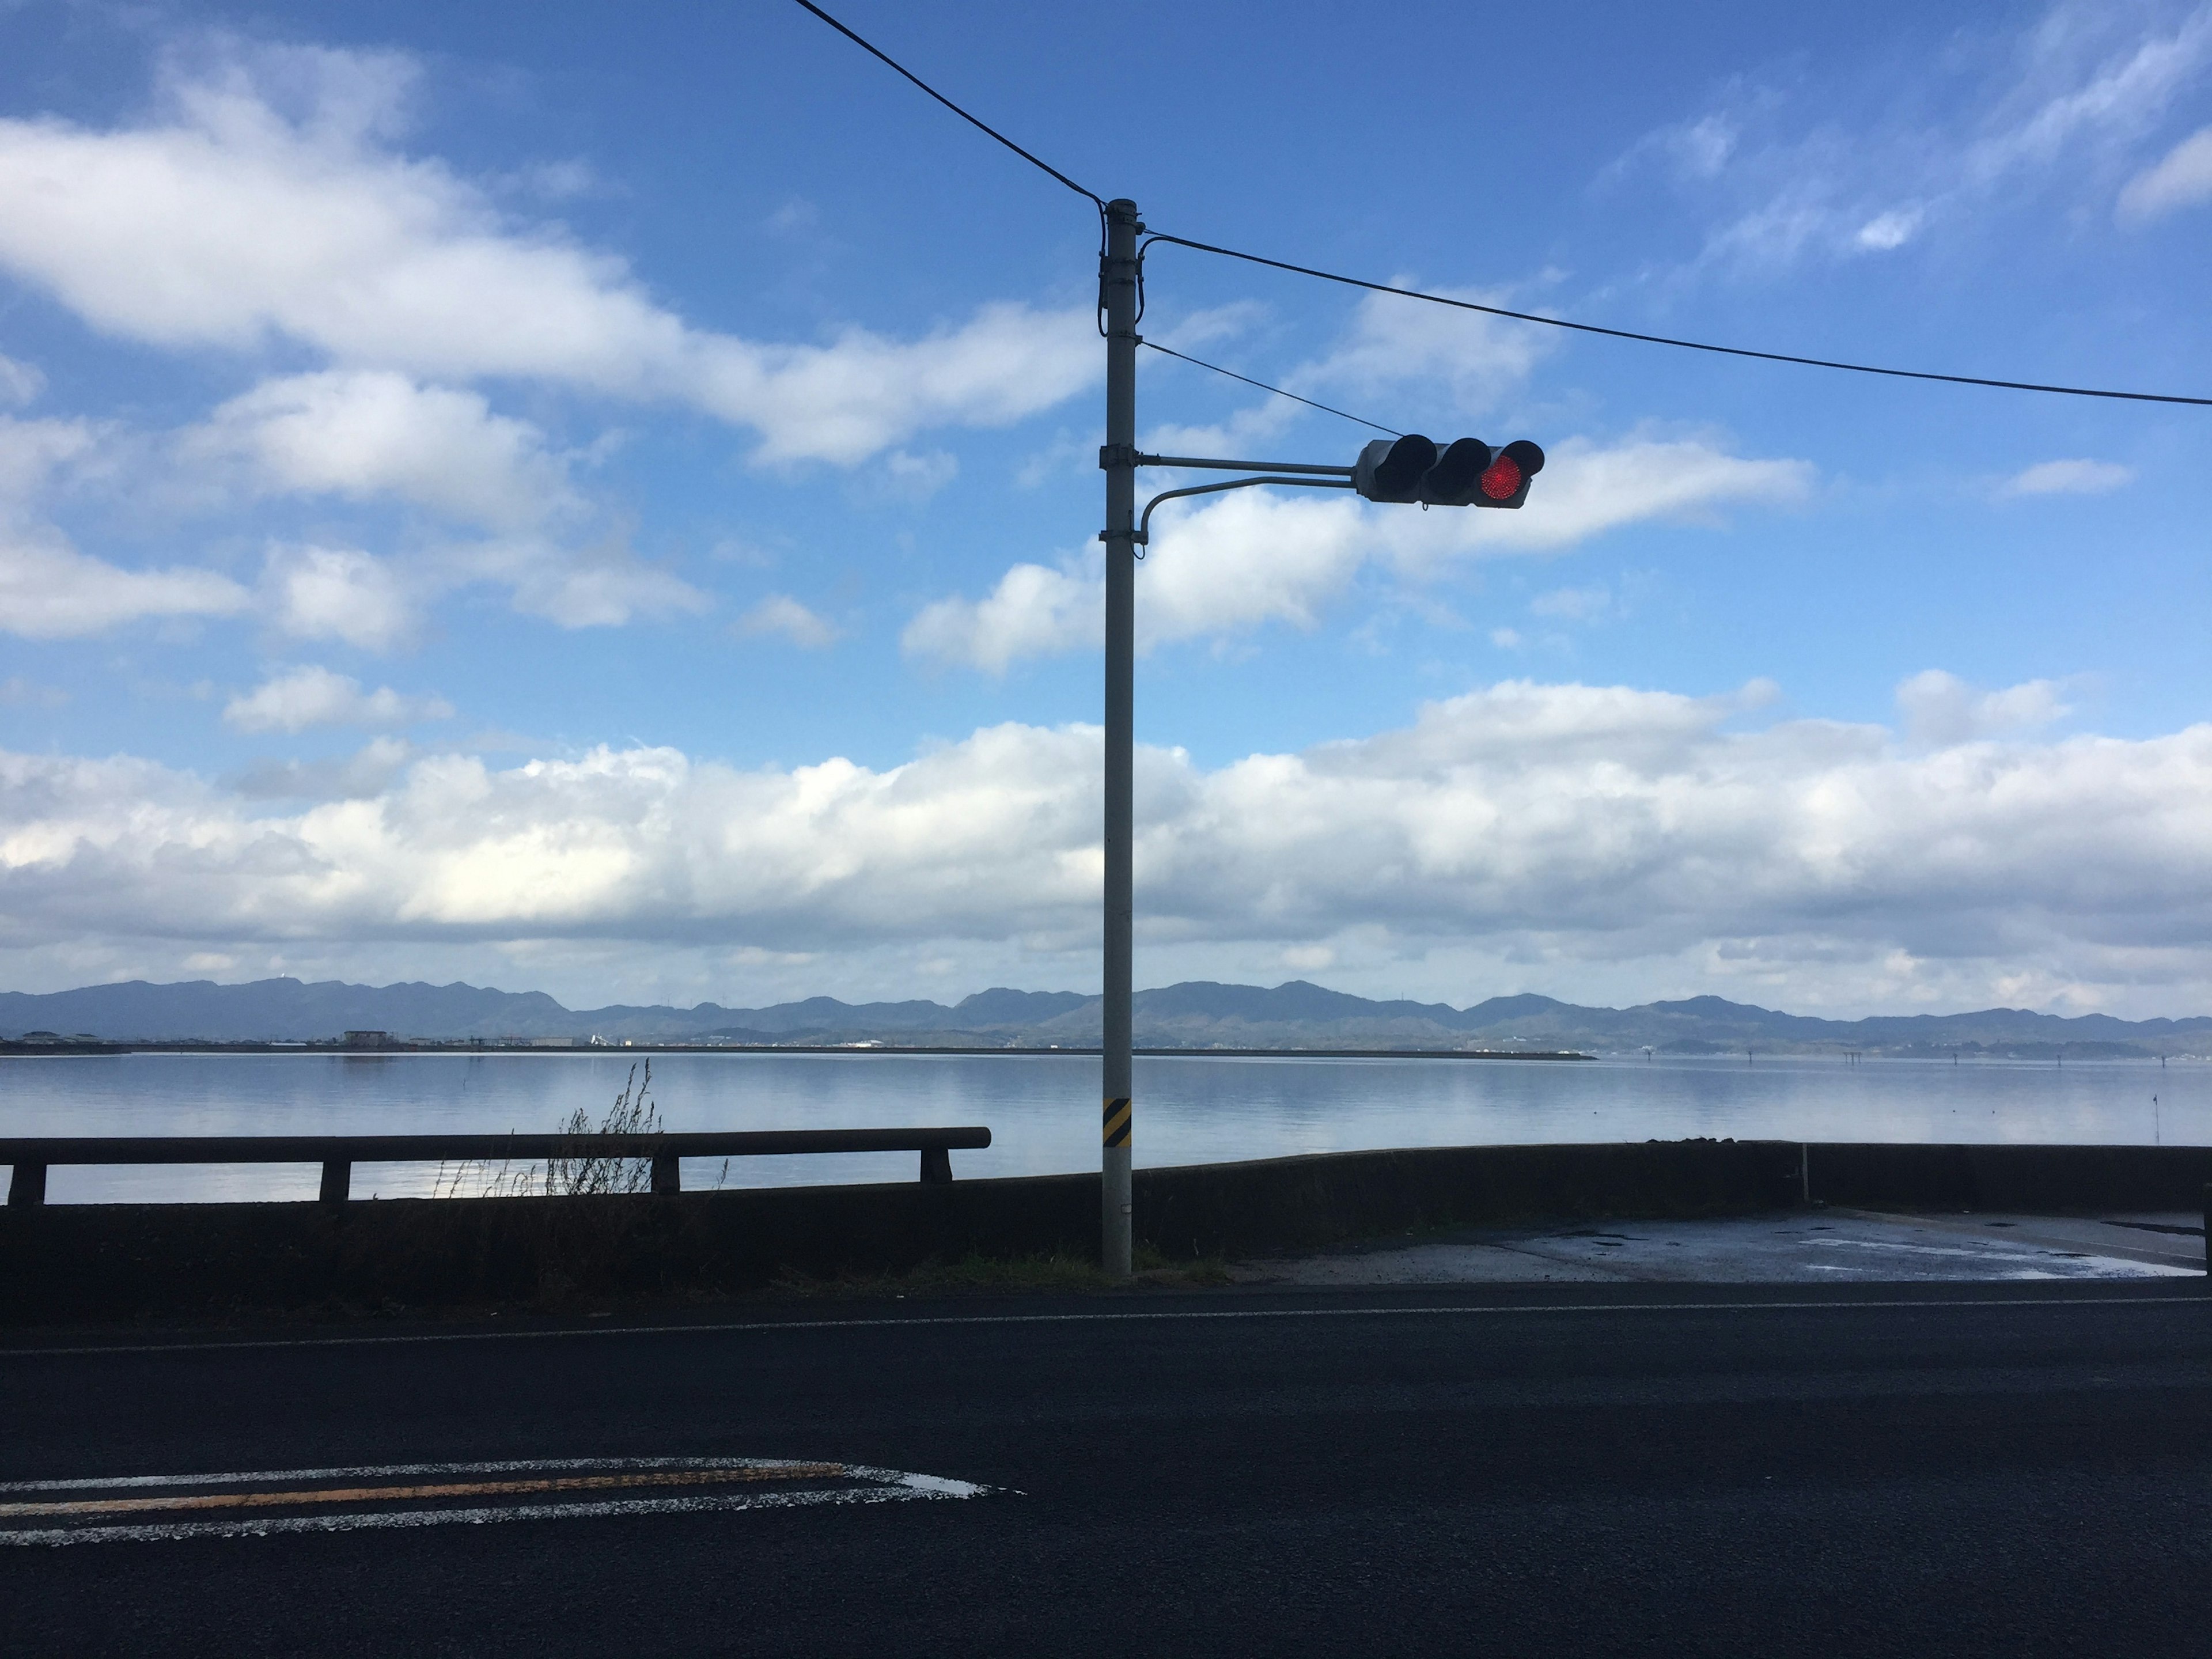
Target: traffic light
{"x": 1391, "y": 469}
{"x": 1467, "y": 472}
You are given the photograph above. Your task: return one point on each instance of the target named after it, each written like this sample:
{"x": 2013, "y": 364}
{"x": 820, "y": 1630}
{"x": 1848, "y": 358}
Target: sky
{"x": 602, "y": 500}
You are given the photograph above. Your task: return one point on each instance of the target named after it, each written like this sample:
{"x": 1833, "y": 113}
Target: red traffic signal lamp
{"x": 1467, "y": 472}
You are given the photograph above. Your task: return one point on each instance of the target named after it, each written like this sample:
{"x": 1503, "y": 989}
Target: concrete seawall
{"x": 69, "y": 1262}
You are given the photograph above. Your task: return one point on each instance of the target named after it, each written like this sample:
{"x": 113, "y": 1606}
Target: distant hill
{"x": 1196, "y": 1014}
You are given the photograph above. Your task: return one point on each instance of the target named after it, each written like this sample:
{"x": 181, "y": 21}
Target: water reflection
{"x": 1043, "y": 1108}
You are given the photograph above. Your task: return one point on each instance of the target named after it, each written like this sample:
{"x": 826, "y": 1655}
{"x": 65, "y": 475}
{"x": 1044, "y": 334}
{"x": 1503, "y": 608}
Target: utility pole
{"x": 1118, "y": 290}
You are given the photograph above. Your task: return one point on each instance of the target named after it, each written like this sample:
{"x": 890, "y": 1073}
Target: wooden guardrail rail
{"x": 31, "y": 1156}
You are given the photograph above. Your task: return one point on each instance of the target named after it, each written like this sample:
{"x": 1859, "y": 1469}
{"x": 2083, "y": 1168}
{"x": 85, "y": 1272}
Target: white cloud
{"x": 20, "y": 383}
{"x": 363, "y": 776}
{"x": 781, "y": 614}
{"x": 1890, "y": 230}
{"x": 338, "y": 593}
{"x": 2182, "y": 179}
{"x": 1550, "y": 824}
{"x": 2068, "y": 478}
{"x": 1463, "y": 360}
{"x": 48, "y": 590}
{"x": 17, "y": 692}
{"x": 916, "y": 477}
{"x": 1255, "y": 557}
{"x": 1574, "y": 603}
{"x": 2059, "y": 106}
{"x": 316, "y": 697}
{"x": 32, "y": 452}
{"x": 1394, "y": 340}
{"x": 2075, "y": 90}
{"x": 362, "y": 435}
{"x": 160, "y": 233}
{"x": 1034, "y": 612}
{"x": 1942, "y": 709}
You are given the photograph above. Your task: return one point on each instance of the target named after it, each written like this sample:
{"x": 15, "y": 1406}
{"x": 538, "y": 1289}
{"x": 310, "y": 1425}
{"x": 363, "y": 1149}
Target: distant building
{"x": 369, "y": 1040}
{"x": 553, "y": 1042}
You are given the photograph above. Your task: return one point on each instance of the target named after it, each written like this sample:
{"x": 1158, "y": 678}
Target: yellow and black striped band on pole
{"x": 1117, "y": 1122}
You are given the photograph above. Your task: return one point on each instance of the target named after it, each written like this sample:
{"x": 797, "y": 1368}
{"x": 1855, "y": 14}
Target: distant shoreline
{"x": 464, "y": 1046}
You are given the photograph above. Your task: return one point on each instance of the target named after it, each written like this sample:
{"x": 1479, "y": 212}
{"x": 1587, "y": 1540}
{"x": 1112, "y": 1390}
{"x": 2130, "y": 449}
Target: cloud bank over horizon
{"x": 1566, "y": 834}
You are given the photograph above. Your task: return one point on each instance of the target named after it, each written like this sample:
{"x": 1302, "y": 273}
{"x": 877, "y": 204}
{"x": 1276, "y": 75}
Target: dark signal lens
{"x": 1502, "y": 478}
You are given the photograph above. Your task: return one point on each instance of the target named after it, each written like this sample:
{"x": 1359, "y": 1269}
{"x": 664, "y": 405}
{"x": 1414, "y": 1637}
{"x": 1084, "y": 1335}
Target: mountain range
{"x": 1197, "y": 1014}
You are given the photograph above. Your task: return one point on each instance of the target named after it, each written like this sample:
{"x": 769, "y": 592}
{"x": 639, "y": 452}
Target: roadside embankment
{"x": 66, "y": 1263}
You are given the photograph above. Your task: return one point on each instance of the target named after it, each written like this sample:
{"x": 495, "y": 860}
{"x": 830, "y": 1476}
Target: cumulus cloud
{"x": 1553, "y": 822}
{"x": 363, "y": 776}
{"x": 2068, "y": 478}
{"x": 781, "y": 614}
{"x": 2182, "y": 179}
{"x": 159, "y": 233}
{"x": 1256, "y": 557}
{"x": 364, "y": 435}
{"x": 316, "y": 697}
{"x": 1034, "y": 612}
{"x": 49, "y": 590}
{"x": 338, "y": 593}
{"x": 1942, "y": 709}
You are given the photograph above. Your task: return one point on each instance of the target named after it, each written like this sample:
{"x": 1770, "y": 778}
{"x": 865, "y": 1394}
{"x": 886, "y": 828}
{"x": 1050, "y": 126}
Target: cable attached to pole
{"x": 886, "y": 57}
{"x": 1665, "y": 340}
{"x": 1185, "y": 357}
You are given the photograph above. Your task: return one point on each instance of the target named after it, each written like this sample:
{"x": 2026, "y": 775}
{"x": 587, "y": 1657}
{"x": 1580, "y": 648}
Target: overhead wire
{"x": 1099, "y": 202}
{"x": 886, "y": 58}
{"x": 1666, "y": 340}
{"x": 1185, "y": 356}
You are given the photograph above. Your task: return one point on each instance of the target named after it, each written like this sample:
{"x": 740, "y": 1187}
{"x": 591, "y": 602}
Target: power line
{"x": 1688, "y": 345}
{"x": 1468, "y": 304}
{"x": 1264, "y": 386}
{"x": 887, "y": 58}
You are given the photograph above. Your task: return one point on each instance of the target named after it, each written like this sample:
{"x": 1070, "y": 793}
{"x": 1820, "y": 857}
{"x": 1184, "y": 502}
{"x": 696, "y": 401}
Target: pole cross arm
{"x": 1143, "y": 537}
{"x": 1208, "y": 465}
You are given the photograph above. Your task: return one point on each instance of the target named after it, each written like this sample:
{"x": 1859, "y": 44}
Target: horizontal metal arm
{"x": 1143, "y": 538}
{"x": 404, "y": 1148}
{"x": 1246, "y": 466}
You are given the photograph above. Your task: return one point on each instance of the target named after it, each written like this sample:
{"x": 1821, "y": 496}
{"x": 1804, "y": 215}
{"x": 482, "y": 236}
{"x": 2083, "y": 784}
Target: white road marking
{"x": 881, "y": 1486}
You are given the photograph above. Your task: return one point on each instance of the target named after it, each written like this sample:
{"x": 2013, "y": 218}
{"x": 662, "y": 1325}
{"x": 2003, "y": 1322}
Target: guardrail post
{"x": 2207, "y": 1229}
{"x": 26, "y": 1185}
{"x": 667, "y": 1173}
{"x": 337, "y": 1180}
{"x": 936, "y": 1165}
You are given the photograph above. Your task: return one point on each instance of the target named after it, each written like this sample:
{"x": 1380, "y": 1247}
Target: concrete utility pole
{"x": 1118, "y": 290}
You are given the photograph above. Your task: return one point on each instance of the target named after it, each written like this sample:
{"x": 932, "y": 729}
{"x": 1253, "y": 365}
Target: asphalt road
{"x": 1568, "y": 1470}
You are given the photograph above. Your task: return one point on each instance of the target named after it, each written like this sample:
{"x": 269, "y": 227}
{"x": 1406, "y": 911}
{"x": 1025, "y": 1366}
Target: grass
{"x": 633, "y": 1114}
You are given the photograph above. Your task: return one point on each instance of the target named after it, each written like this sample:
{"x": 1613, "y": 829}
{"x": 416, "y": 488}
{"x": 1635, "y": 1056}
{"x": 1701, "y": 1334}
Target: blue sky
{"x": 600, "y": 501}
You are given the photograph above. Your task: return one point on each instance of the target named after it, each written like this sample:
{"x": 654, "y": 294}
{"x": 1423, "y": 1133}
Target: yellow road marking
{"x": 245, "y": 1500}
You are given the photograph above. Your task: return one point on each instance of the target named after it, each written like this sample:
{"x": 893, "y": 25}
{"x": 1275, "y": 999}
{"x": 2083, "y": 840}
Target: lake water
{"x": 1042, "y": 1109}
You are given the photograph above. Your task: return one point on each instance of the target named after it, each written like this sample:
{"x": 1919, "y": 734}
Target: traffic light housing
{"x": 1391, "y": 469}
{"x": 1467, "y": 472}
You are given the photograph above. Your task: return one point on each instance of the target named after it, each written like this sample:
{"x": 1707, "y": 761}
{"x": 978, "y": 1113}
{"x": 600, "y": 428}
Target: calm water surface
{"x": 1042, "y": 1109}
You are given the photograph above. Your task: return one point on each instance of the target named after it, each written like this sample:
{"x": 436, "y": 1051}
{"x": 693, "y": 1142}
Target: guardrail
{"x": 30, "y": 1158}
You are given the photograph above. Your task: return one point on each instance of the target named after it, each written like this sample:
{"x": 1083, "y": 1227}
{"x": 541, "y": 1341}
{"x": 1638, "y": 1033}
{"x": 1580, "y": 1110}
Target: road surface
{"x": 1563, "y": 1470}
